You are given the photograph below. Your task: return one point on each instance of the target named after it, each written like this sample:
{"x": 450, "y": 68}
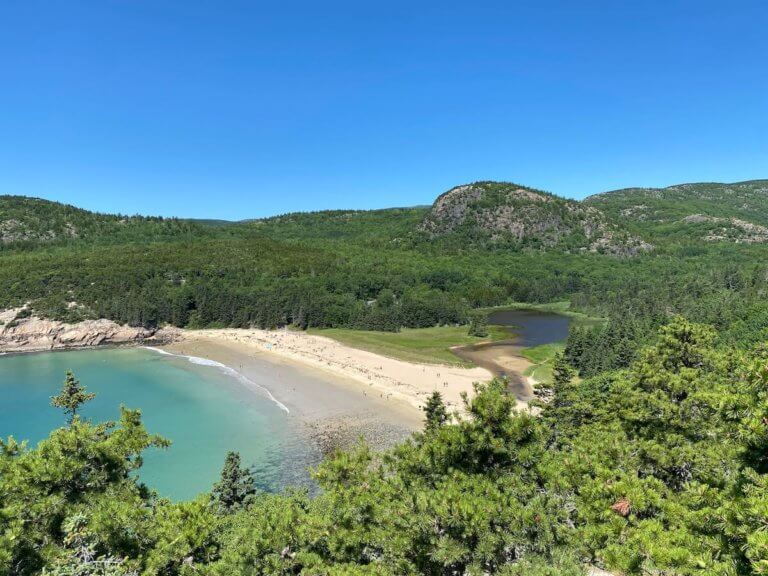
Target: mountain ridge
{"x": 489, "y": 214}
{"x": 26, "y": 220}
{"x": 703, "y": 211}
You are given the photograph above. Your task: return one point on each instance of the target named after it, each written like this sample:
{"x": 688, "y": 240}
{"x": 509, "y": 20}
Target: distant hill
{"x": 707, "y": 212}
{"x": 31, "y": 221}
{"x": 368, "y": 226}
{"x": 26, "y": 221}
{"x": 502, "y": 214}
{"x": 486, "y": 215}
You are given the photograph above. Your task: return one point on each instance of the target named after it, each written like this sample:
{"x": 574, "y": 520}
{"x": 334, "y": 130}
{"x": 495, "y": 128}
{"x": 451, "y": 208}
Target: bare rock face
{"x": 730, "y": 229}
{"x": 39, "y": 334}
{"x": 508, "y": 214}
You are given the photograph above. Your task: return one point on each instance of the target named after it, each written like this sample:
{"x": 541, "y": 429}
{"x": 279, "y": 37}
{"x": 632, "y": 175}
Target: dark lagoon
{"x": 532, "y": 327}
{"x": 527, "y": 328}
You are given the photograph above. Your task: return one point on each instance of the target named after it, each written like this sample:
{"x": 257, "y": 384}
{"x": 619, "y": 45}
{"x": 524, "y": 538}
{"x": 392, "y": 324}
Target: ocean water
{"x": 203, "y": 407}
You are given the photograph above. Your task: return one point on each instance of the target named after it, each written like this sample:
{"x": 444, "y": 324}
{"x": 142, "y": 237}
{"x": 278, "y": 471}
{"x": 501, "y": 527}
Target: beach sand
{"x": 335, "y": 410}
{"x": 342, "y": 393}
{"x": 378, "y": 379}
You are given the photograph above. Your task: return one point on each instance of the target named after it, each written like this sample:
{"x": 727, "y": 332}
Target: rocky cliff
{"x": 509, "y": 215}
{"x": 32, "y": 334}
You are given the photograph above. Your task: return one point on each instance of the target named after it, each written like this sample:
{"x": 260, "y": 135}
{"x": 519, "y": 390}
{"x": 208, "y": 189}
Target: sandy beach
{"x": 332, "y": 409}
{"x": 376, "y": 378}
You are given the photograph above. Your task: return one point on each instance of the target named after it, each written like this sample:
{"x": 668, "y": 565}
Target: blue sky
{"x": 243, "y": 109}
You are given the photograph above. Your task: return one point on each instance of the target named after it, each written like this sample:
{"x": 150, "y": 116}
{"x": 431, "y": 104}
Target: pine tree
{"x": 574, "y": 346}
{"x": 478, "y": 324}
{"x": 82, "y": 558}
{"x": 71, "y": 397}
{"x": 237, "y": 486}
{"x": 562, "y": 373}
{"x": 436, "y": 414}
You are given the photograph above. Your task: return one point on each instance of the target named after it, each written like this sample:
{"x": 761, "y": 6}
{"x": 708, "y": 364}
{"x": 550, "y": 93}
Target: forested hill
{"x": 501, "y": 214}
{"x": 26, "y": 222}
{"x": 653, "y": 462}
{"x": 391, "y": 225}
{"x": 710, "y": 212}
{"x": 486, "y": 215}
{"x": 479, "y": 245}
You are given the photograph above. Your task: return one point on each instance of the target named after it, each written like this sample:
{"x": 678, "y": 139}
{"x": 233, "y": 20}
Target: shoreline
{"x": 334, "y": 410}
{"x": 372, "y": 374}
{"x": 149, "y": 344}
{"x": 503, "y": 359}
{"x": 224, "y": 368}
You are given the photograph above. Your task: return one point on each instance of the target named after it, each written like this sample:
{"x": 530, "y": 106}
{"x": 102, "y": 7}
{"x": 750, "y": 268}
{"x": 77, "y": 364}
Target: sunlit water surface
{"x": 205, "y": 410}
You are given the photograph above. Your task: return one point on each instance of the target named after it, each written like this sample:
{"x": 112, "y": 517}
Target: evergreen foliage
{"x": 374, "y": 270}
{"x": 236, "y": 488}
{"x": 653, "y": 461}
{"x": 71, "y": 397}
{"x": 562, "y": 376}
{"x": 478, "y": 324}
{"x": 562, "y": 373}
{"x": 435, "y": 412}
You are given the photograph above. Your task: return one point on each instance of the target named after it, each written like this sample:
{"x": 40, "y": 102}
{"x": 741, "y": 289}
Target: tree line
{"x": 245, "y": 280}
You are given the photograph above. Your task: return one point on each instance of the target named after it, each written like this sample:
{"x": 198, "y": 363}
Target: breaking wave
{"x": 227, "y": 370}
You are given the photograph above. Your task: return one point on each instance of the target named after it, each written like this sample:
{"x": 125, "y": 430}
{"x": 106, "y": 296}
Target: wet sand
{"x": 503, "y": 359}
{"x": 335, "y": 411}
{"x": 380, "y": 376}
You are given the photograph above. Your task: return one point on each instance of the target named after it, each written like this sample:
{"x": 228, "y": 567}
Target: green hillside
{"x": 394, "y": 225}
{"x": 710, "y": 212}
{"x": 479, "y": 245}
{"x": 652, "y": 461}
{"x": 26, "y": 222}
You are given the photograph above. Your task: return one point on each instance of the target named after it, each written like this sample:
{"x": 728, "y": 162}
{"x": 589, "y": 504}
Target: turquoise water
{"x": 203, "y": 409}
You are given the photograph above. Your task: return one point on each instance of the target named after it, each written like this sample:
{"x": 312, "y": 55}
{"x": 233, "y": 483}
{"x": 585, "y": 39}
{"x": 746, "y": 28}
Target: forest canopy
{"x": 366, "y": 270}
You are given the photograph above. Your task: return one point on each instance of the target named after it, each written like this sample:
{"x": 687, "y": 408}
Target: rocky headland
{"x": 20, "y": 333}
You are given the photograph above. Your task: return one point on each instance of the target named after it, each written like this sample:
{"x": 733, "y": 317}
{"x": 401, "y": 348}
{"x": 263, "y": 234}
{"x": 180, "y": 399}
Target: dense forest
{"x": 659, "y": 468}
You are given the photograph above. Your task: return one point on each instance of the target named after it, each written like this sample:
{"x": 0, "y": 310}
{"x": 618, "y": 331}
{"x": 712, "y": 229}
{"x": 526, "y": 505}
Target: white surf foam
{"x": 227, "y": 370}
{"x": 158, "y": 350}
{"x": 205, "y": 362}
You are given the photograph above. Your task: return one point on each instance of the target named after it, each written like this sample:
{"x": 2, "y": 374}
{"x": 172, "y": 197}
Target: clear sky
{"x": 238, "y": 109}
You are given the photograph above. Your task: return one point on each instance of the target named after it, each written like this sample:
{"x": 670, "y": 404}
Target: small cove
{"x": 207, "y": 408}
{"x": 200, "y": 407}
